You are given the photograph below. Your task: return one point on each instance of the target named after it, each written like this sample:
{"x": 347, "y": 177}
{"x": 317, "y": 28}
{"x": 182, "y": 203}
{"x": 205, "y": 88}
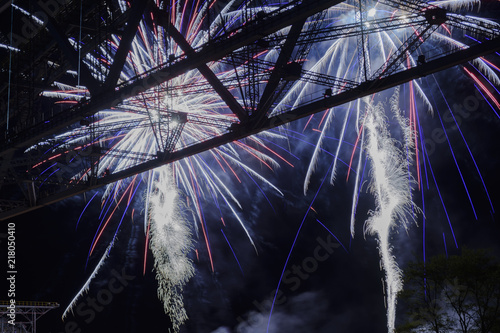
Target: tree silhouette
{"x": 456, "y": 294}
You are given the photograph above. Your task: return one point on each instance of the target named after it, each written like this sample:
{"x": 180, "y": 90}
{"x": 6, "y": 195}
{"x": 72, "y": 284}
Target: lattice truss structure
{"x": 27, "y": 314}
{"x": 63, "y": 65}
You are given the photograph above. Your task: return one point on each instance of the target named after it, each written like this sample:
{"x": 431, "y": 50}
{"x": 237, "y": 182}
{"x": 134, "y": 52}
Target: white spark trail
{"x": 357, "y": 185}
{"x": 479, "y": 62}
{"x": 85, "y": 287}
{"x": 392, "y": 192}
{"x": 317, "y": 150}
{"x": 170, "y": 242}
{"x": 341, "y": 140}
{"x": 137, "y": 129}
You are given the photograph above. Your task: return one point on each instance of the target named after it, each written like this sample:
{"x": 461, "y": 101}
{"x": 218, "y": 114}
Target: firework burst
{"x": 366, "y": 48}
{"x": 163, "y": 119}
{"x": 185, "y": 110}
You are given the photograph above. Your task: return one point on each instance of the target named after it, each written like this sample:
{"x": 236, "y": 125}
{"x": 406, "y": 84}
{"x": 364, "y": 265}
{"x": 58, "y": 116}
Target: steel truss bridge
{"x": 27, "y": 314}
{"x": 38, "y": 54}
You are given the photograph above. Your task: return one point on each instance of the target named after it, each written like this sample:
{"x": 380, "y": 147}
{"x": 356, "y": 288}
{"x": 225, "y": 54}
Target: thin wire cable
{"x": 10, "y": 64}
{"x": 80, "y": 42}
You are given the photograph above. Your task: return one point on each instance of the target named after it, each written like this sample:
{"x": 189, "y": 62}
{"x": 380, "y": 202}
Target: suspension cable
{"x": 80, "y": 43}
{"x": 10, "y": 64}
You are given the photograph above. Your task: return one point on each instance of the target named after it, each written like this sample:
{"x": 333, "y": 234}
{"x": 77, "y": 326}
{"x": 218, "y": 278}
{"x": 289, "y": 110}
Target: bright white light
{"x": 171, "y": 244}
{"x": 371, "y": 12}
{"x": 391, "y": 188}
{"x": 3, "y": 46}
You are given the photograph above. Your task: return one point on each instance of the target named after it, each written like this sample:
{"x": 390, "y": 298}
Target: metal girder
{"x": 312, "y": 77}
{"x": 409, "y": 46}
{"x": 406, "y": 5}
{"x": 70, "y": 53}
{"x": 231, "y": 41}
{"x": 362, "y": 43}
{"x": 434, "y": 17}
{"x": 355, "y": 29}
{"x": 474, "y": 25}
{"x": 220, "y": 122}
{"x": 327, "y": 80}
{"x": 138, "y": 8}
{"x": 284, "y": 56}
{"x": 207, "y": 73}
{"x": 244, "y": 130}
{"x": 217, "y": 48}
{"x": 12, "y": 204}
{"x": 204, "y": 87}
{"x": 363, "y": 89}
{"x": 466, "y": 23}
{"x": 27, "y": 314}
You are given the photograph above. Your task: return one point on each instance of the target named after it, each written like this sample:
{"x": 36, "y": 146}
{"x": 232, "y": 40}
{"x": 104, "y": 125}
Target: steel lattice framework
{"x": 27, "y": 314}
{"x": 48, "y": 54}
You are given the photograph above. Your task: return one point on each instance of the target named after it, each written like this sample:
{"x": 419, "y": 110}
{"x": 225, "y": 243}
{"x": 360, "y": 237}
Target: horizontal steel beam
{"x": 136, "y": 11}
{"x": 216, "y": 49}
{"x": 207, "y": 73}
{"x": 266, "y": 100}
{"x": 245, "y": 130}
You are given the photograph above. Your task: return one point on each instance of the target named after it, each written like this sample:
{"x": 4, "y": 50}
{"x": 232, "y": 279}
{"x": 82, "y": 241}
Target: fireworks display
{"x": 154, "y": 120}
{"x": 381, "y": 145}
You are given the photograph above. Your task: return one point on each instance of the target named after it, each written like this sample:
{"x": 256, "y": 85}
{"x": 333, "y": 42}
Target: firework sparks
{"x": 170, "y": 243}
{"x": 391, "y": 181}
{"x": 392, "y": 192}
{"x": 186, "y": 110}
{"x": 142, "y": 126}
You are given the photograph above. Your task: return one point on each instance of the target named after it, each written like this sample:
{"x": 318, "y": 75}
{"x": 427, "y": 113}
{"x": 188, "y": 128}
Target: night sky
{"x": 340, "y": 292}
{"x": 333, "y": 283}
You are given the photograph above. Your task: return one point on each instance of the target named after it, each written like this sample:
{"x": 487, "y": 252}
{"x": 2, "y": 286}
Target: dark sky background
{"x": 344, "y": 293}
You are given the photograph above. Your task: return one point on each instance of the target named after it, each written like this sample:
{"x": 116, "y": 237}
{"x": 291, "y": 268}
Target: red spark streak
{"x": 218, "y": 162}
{"x": 413, "y": 121}
{"x": 490, "y": 64}
{"x": 323, "y": 118}
{"x": 111, "y": 215}
{"x": 308, "y": 121}
{"x": 247, "y": 148}
{"x": 234, "y": 173}
{"x": 272, "y": 151}
{"x": 51, "y": 158}
{"x": 446, "y": 28}
{"x": 483, "y": 87}
{"x": 66, "y": 102}
{"x": 146, "y": 247}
